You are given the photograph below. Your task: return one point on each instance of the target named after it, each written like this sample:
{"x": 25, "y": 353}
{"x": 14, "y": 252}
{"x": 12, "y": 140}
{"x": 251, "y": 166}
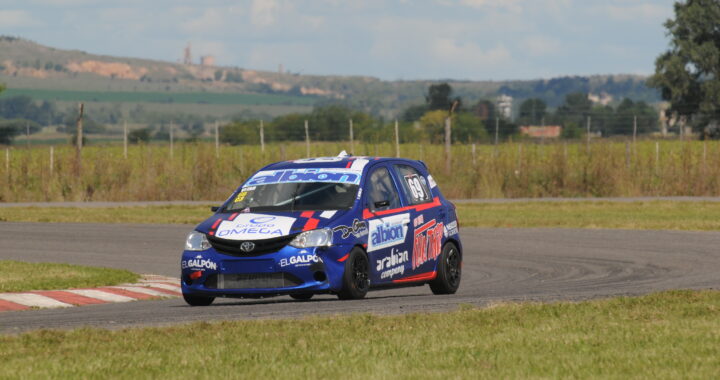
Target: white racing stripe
{"x": 173, "y": 288}
{"x": 327, "y": 214}
{"x": 103, "y": 296}
{"x": 34, "y": 300}
{"x": 144, "y": 290}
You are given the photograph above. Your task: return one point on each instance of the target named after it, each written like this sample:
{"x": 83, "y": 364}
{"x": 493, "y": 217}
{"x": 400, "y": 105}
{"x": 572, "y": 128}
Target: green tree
{"x": 141, "y": 135}
{"x": 532, "y": 112}
{"x": 688, "y": 75}
{"x": 240, "y": 132}
{"x": 576, "y": 109}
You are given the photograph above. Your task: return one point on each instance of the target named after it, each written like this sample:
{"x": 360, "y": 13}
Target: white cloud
{"x": 17, "y": 19}
{"x": 537, "y": 45}
{"x": 467, "y": 55}
{"x": 263, "y": 13}
{"x": 637, "y": 11}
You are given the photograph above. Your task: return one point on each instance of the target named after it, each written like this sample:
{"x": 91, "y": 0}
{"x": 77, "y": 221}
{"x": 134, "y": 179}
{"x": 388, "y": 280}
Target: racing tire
{"x": 198, "y": 300}
{"x": 449, "y": 271}
{"x": 356, "y": 277}
{"x": 301, "y": 296}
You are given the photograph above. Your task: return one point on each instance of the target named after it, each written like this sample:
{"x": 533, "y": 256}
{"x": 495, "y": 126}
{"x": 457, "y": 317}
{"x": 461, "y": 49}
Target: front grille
{"x": 232, "y": 247}
{"x": 252, "y": 281}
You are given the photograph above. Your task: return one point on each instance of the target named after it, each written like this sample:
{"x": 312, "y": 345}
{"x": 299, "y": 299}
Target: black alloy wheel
{"x": 356, "y": 279}
{"x": 449, "y": 271}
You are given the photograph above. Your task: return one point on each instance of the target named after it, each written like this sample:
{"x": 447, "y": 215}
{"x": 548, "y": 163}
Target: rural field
{"x": 196, "y": 171}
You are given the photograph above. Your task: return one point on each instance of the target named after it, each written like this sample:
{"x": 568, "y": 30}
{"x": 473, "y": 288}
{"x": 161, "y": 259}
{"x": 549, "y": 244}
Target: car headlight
{"x": 196, "y": 241}
{"x": 314, "y": 238}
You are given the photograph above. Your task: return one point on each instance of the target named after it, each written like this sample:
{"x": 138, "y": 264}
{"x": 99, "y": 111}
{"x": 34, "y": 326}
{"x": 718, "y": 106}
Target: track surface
{"x": 499, "y": 265}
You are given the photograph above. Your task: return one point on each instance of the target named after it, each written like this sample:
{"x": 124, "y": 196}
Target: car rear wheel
{"x": 198, "y": 300}
{"x": 356, "y": 279}
{"x": 448, "y": 271}
{"x": 302, "y": 296}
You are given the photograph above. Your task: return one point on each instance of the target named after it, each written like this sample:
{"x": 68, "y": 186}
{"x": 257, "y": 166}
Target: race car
{"x": 329, "y": 225}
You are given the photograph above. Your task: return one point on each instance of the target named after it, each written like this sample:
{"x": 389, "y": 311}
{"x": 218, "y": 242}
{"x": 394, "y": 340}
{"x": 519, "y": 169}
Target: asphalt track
{"x": 499, "y": 265}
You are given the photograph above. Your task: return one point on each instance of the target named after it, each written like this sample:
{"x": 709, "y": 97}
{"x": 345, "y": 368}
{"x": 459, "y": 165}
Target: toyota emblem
{"x": 247, "y": 246}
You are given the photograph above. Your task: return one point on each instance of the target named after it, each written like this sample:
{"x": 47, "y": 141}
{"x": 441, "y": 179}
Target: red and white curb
{"x": 149, "y": 287}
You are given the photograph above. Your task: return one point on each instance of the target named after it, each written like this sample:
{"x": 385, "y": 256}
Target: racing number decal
{"x": 416, "y": 188}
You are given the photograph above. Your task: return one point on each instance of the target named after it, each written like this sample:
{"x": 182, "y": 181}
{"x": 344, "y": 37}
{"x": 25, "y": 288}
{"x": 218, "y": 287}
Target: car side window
{"x": 381, "y": 192}
{"x": 415, "y": 185}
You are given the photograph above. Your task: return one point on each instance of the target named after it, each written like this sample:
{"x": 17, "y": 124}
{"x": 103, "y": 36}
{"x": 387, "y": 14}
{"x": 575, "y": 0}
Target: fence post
{"x": 352, "y": 139}
{"x": 27, "y": 134}
{"x": 7, "y": 160}
{"x": 172, "y": 138}
{"x": 657, "y": 156}
{"x": 627, "y": 155}
{"x": 589, "y": 121}
{"x": 78, "y": 142}
{"x": 397, "y": 139}
{"x": 473, "y": 154}
{"x": 52, "y": 160}
{"x": 448, "y": 141}
{"x": 125, "y": 139}
{"x": 307, "y": 139}
{"x": 217, "y": 139}
{"x": 262, "y": 137}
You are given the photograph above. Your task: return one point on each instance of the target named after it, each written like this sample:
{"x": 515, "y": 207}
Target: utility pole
{"x": 307, "y": 139}
{"x": 262, "y": 137}
{"x": 217, "y": 139}
{"x": 634, "y": 129}
{"x": 497, "y": 129}
{"x": 352, "y": 140}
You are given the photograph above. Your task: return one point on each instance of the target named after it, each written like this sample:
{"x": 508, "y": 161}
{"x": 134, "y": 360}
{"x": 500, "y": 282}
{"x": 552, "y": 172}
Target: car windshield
{"x": 295, "y": 196}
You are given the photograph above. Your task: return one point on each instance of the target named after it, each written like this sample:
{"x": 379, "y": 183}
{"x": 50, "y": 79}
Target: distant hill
{"x": 68, "y": 76}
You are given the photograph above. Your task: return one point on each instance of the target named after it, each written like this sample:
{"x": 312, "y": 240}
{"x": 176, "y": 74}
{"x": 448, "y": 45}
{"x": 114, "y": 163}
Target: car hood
{"x": 266, "y": 225}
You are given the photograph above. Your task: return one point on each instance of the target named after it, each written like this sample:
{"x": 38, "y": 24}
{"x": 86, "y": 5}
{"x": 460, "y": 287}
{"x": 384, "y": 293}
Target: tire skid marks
{"x": 149, "y": 287}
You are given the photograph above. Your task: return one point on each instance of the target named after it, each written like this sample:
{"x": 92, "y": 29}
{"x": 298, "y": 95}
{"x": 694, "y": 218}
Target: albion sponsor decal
{"x": 387, "y": 232}
{"x": 198, "y": 263}
{"x": 392, "y": 265}
{"x": 265, "y": 177}
{"x": 427, "y": 244}
{"x": 300, "y": 260}
{"x": 250, "y": 226}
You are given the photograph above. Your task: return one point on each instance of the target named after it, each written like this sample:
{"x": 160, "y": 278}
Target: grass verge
{"x": 20, "y": 276}
{"x": 666, "y": 335}
{"x": 665, "y": 215}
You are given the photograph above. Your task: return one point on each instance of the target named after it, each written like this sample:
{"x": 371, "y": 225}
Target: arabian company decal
{"x": 250, "y": 226}
{"x": 392, "y": 265}
{"x": 427, "y": 243}
{"x": 387, "y": 232}
{"x": 198, "y": 263}
{"x": 358, "y": 229}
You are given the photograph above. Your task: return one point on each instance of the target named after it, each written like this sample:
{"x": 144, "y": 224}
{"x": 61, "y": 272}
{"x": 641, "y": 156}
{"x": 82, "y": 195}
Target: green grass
{"x": 20, "y": 276}
{"x": 667, "y": 335}
{"x": 162, "y": 97}
{"x": 654, "y": 215}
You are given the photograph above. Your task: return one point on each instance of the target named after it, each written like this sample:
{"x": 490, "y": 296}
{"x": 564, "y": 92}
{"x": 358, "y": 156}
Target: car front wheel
{"x": 356, "y": 279}
{"x": 198, "y": 300}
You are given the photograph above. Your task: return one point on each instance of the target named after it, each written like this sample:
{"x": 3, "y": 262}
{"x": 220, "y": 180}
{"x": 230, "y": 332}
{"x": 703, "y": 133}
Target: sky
{"x": 388, "y": 39}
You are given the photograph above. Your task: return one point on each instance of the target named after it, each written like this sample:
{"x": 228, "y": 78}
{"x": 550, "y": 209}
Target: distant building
{"x": 535, "y": 131}
{"x": 504, "y": 106}
{"x": 603, "y": 98}
{"x": 207, "y": 60}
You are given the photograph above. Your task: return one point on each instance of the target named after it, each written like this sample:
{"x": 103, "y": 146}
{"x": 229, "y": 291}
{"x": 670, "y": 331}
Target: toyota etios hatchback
{"x": 341, "y": 225}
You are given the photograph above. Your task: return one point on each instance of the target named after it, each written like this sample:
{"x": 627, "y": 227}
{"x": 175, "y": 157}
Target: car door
{"x": 388, "y": 241}
{"x": 426, "y": 227}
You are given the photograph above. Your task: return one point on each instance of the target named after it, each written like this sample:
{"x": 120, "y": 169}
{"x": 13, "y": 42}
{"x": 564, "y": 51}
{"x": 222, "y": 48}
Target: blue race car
{"x": 340, "y": 225}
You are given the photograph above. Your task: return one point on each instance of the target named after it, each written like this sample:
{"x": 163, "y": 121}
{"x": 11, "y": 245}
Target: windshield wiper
{"x": 294, "y": 195}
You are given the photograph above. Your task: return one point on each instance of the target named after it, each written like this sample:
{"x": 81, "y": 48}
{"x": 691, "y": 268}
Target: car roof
{"x": 331, "y": 162}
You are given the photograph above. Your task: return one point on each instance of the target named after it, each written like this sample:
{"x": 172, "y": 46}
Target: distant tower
{"x": 207, "y": 60}
{"x": 187, "y": 59}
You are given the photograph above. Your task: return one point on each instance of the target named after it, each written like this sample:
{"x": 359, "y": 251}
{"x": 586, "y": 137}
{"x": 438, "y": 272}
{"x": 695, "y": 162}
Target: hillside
{"x": 124, "y": 84}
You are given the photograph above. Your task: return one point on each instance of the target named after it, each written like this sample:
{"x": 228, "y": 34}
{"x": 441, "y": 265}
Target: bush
{"x": 139, "y": 135}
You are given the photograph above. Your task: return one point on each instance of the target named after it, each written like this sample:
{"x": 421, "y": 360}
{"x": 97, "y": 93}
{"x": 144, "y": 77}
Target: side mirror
{"x": 214, "y": 208}
{"x": 382, "y": 204}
